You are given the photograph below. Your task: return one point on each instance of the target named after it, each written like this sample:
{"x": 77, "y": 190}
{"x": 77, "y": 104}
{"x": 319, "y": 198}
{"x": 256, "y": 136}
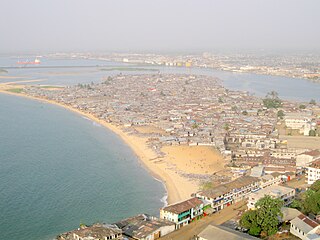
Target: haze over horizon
{"x": 144, "y": 25}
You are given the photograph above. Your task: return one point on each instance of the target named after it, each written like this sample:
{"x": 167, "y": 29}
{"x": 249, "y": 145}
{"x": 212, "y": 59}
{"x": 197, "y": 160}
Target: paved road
{"x": 187, "y": 232}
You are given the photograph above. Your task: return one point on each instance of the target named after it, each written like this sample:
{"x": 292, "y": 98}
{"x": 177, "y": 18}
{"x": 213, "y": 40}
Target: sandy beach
{"x": 170, "y": 169}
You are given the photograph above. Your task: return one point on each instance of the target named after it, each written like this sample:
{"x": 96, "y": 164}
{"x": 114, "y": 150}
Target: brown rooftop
{"x": 308, "y": 221}
{"x": 225, "y": 188}
{"x": 313, "y": 153}
{"x": 183, "y": 206}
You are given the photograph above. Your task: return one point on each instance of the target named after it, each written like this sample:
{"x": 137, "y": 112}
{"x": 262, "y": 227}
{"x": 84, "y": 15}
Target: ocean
{"x": 59, "y": 169}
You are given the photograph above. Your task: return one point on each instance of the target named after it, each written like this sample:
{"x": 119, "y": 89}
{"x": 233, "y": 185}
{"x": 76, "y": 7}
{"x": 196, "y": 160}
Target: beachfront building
{"x": 307, "y": 157}
{"x": 313, "y": 172}
{"x": 183, "y": 213}
{"x": 94, "y": 232}
{"x": 304, "y": 228}
{"x": 284, "y": 193}
{"x": 230, "y": 193}
{"x": 145, "y": 227}
{"x": 221, "y": 232}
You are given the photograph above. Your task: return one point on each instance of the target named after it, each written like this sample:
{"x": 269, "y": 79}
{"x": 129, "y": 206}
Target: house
{"x": 232, "y": 192}
{"x": 284, "y": 193}
{"x": 213, "y": 232}
{"x": 303, "y": 227}
{"x": 313, "y": 172}
{"x": 183, "y": 213}
{"x": 94, "y": 232}
{"x": 307, "y": 157}
{"x": 145, "y": 227}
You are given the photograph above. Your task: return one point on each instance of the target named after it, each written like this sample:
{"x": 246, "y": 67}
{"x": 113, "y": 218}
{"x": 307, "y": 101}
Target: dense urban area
{"x": 270, "y": 149}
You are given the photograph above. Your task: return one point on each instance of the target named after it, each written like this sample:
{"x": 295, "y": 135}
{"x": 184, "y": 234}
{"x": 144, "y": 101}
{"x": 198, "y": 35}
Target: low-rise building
{"x": 232, "y": 192}
{"x": 313, "y": 172}
{"x": 219, "y": 232}
{"x": 284, "y": 193}
{"x": 182, "y": 213}
{"x": 145, "y": 227}
{"x": 94, "y": 232}
{"x": 307, "y": 157}
{"x": 304, "y": 228}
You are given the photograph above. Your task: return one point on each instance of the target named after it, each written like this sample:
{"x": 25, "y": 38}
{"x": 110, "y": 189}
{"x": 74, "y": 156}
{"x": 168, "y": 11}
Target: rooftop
{"x": 141, "y": 226}
{"x": 304, "y": 223}
{"x": 183, "y": 206}
{"x": 220, "y": 232}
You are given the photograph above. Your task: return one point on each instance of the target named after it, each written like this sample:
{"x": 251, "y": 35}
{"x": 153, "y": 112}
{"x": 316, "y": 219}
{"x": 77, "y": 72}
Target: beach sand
{"x": 177, "y": 159}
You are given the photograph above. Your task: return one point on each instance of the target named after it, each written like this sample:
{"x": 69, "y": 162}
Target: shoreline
{"x": 137, "y": 144}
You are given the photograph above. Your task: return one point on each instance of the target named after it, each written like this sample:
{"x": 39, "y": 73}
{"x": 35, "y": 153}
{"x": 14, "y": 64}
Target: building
{"x": 304, "y": 227}
{"x": 94, "y": 232}
{"x": 313, "y": 172}
{"x": 305, "y": 158}
{"x": 230, "y": 193}
{"x": 183, "y": 213}
{"x": 145, "y": 227}
{"x": 298, "y": 121}
{"x": 271, "y": 179}
{"x": 284, "y": 193}
{"x": 212, "y": 232}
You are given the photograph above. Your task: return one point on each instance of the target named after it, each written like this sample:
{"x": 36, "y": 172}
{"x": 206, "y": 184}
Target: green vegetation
{"x": 272, "y": 100}
{"x": 244, "y": 113}
{"x": 3, "y": 71}
{"x": 312, "y": 133}
{"x": 226, "y": 126}
{"x": 130, "y": 69}
{"x": 15, "y": 90}
{"x": 87, "y": 86}
{"x": 220, "y": 100}
{"x": 309, "y": 201}
{"x": 302, "y": 106}
{"x": 280, "y": 114}
{"x": 264, "y": 220}
{"x": 312, "y": 102}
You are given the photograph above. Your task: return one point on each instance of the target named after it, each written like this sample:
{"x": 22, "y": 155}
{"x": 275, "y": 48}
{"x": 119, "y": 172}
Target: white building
{"x": 183, "y": 213}
{"x": 313, "y": 172}
{"x": 298, "y": 121}
{"x": 284, "y": 193}
{"x": 304, "y": 228}
{"x": 305, "y": 158}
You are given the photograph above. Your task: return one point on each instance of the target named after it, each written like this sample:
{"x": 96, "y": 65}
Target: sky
{"x": 158, "y": 25}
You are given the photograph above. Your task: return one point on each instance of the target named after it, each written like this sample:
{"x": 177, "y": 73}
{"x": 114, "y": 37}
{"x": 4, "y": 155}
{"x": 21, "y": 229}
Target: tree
{"x": 244, "y": 113}
{"x": 220, "y": 100}
{"x": 272, "y": 100}
{"x": 311, "y": 203}
{"x": 312, "y": 133}
{"x": 302, "y": 106}
{"x": 280, "y": 114}
{"x": 265, "y": 219}
{"x": 315, "y": 186}
{"x": 312, "y": 102}
{"x": 268, "y": 211}
{"x": 249, "y": 221}
{"x": 296, "y": 204}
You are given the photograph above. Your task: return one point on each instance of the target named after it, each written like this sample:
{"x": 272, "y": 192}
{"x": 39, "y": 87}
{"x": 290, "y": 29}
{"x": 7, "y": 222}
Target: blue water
{"x": 58, "y": 169}
{"x": 259, "y": 85}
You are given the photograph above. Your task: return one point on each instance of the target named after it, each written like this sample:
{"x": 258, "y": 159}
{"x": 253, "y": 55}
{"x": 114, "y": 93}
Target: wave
{"x": 164, "y": 199}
